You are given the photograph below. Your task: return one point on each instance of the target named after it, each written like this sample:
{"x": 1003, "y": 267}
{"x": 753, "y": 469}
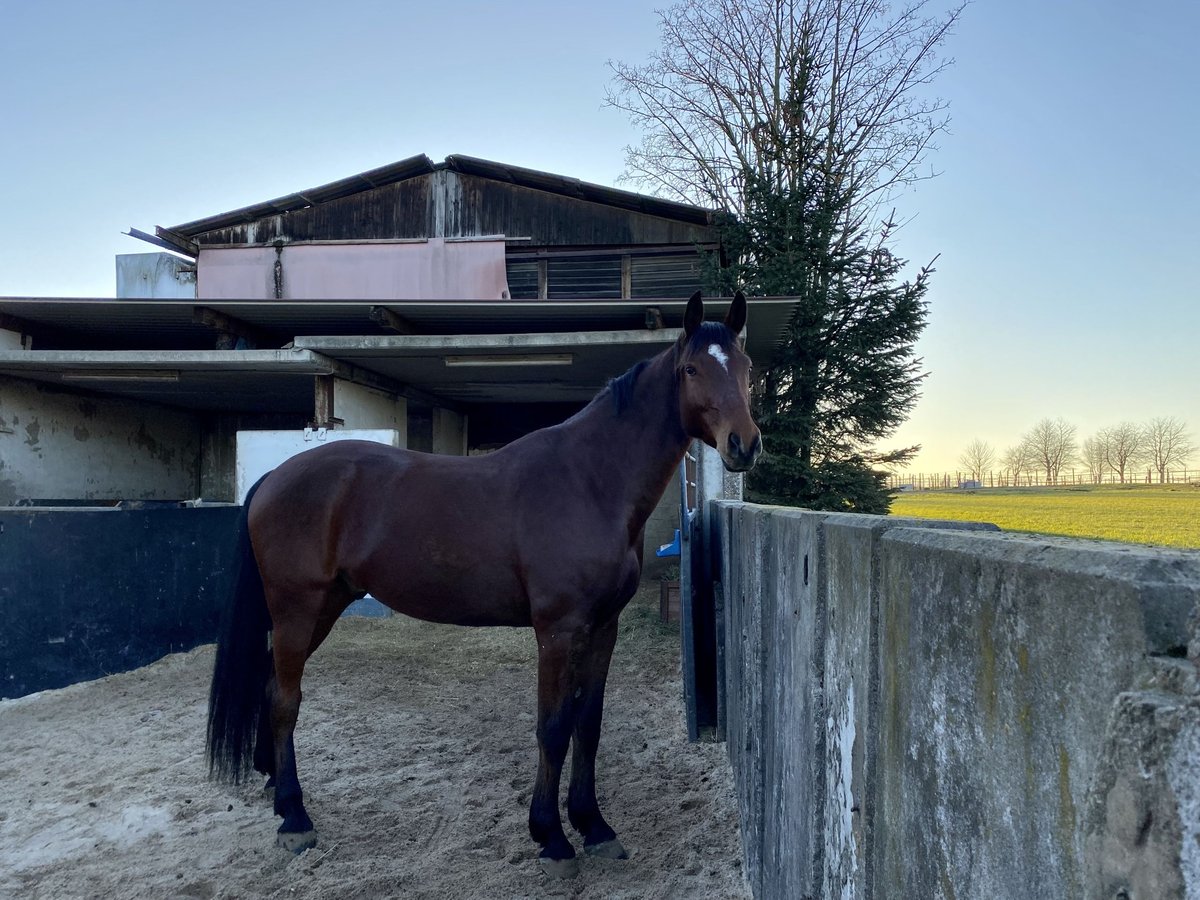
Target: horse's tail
{"x": 243, "y": 666}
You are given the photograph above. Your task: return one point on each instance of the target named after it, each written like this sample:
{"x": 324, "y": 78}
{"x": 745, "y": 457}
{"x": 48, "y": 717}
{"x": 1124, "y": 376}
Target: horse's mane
{"x": 621, "y": 387}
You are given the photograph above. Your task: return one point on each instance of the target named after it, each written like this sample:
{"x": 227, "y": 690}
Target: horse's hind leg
{"x": 296, "y": 636}
{"x": 296, "y": 833}
{"x": 264, "y": 744}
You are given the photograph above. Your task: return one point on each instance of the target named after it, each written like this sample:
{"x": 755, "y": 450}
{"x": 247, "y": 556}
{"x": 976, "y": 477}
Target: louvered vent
{"x": 522, "y": 279}
{"x": 664, "y": 276}
{"x": 593, "y": 277}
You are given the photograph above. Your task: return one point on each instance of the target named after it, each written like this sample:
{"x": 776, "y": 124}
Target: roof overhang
{"x": 499, "y": 368}
{"x": 235, "y": 380}
{"x": 462, "y": 352}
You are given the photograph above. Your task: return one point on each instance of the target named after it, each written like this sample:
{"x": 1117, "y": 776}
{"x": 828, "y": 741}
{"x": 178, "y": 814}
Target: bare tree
{"x": 1019, "y": 459}
{"x": 977, "y": 459}
{"x": 1124, "y": 447}
{"x": 775, "y": 89}
{"x": 1095, "y": 456}
{"x": 1052, "y": 442}
{"x": 1167, "y": 444}
{"x": 799, "y": 118}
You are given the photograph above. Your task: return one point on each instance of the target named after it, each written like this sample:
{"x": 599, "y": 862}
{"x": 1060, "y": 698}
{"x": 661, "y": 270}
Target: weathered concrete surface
{"x": 59, "y": 445}
{"x": 1140, "y": 821}
{"x": 959, "y": 713}
{"x": 792, "y": 745}
{"x": 793, "y": 661}
{"x": 161, "y": 275}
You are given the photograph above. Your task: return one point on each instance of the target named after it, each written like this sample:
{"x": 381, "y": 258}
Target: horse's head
{"x": 714, "y": 384}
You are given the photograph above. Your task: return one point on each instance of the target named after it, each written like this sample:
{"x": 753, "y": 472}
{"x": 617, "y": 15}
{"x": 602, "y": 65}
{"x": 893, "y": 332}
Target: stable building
{"x": 459, "y": 304}
{"x": 445, "y": 307}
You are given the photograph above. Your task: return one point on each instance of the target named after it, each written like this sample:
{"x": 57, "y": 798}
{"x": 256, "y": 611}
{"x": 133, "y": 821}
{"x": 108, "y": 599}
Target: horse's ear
{"x": 735, "y": 320}
{"x": 694, "y": 314}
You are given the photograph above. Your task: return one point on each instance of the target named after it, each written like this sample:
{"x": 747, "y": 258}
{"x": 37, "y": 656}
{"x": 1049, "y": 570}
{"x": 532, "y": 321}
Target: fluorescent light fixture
{"x": 522, "y": 359}
{"x": 121, "y": 375}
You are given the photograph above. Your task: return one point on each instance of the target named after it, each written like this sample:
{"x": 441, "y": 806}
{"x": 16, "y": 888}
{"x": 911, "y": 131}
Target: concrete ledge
{"x": 931, "y": 709}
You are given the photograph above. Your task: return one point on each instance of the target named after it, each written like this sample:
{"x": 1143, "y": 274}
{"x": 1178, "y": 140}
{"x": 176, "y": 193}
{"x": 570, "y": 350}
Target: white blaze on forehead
{"x": 715, "y": 351}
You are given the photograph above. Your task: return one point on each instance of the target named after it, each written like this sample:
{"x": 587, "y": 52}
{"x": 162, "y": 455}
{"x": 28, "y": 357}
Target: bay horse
{"x": 544, "y": 532}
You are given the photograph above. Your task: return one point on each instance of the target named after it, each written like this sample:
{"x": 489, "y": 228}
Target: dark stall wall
{"x": 88, "y": 592}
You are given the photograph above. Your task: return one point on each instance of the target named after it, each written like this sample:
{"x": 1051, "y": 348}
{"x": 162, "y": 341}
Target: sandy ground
{"x": 417, "y": 755}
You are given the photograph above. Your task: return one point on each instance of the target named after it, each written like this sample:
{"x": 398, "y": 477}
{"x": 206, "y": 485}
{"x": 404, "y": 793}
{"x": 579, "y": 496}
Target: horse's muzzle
{"x": 738, "y": 457}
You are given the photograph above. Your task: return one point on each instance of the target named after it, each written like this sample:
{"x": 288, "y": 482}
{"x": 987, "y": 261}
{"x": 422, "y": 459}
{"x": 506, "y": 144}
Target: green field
{"x": 1167, "y": 515}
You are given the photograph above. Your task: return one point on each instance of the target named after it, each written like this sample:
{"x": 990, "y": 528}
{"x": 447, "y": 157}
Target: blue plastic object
{"x": 672, "y": 549}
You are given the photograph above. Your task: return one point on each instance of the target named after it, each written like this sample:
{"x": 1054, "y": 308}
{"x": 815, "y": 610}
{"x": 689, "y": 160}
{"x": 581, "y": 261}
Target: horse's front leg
{"x": 584, "y": 812}
{"x": 557, "y": 650}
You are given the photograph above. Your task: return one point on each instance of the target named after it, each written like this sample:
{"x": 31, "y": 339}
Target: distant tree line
{"x": 1121, "y": 451}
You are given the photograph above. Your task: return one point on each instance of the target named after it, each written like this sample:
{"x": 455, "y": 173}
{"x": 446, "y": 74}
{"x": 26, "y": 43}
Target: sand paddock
{"x": 417, "y": 754}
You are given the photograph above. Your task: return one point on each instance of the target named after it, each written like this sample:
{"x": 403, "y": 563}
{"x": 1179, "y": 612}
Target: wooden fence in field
{"x": 941, "y": 481}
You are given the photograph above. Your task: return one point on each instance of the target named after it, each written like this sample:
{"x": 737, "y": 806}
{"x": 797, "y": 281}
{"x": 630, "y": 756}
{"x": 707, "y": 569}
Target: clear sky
{"x": 1065, "y": 214}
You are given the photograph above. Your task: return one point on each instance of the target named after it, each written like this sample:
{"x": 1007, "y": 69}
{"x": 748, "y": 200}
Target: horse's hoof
{"x": 610, "y": 849}
{"x": 296, "y": 841}
{"x": 559, "y": 868}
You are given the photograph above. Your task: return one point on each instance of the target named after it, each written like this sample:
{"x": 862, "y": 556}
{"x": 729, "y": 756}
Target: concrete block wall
{"x": 938, "y": 710}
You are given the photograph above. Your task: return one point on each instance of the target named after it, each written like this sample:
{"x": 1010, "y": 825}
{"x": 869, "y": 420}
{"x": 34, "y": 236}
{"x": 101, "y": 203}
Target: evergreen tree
{"x": 846, "y": 375}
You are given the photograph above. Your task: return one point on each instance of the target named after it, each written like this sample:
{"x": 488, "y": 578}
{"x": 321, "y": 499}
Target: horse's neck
{"x": 642, "y": 445}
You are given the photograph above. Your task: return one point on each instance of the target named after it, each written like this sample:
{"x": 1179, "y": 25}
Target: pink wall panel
{"x": 430, "y": 270}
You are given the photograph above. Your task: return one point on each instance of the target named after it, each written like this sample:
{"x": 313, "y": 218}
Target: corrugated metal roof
{"x": 421, "y": 164}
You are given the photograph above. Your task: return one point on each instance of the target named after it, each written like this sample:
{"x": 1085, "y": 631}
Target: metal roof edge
{"x": 343, "y": 187}
{"x": 515, "y": 342}
{"x": 301, "y": 360}
{"x": 582, "y": 190}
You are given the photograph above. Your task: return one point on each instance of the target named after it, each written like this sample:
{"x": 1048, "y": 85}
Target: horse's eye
{"x": 690, "y": 370}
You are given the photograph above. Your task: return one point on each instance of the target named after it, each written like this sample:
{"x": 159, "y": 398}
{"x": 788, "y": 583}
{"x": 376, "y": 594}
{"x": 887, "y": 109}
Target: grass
{"x": 1165, "y": 515}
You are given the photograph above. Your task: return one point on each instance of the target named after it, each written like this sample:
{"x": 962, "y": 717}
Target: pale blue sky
{"x": 1065, "y": 215}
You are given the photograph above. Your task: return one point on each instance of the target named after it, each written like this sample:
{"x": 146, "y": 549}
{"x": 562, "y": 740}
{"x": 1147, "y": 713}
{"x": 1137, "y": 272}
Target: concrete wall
{"x": 56, "y": 445}
{"x": 14, "y": 340}
{"x": 363, "y": 407}
{"x": 160, "y": 275}
{"x": 933, "y": 710}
